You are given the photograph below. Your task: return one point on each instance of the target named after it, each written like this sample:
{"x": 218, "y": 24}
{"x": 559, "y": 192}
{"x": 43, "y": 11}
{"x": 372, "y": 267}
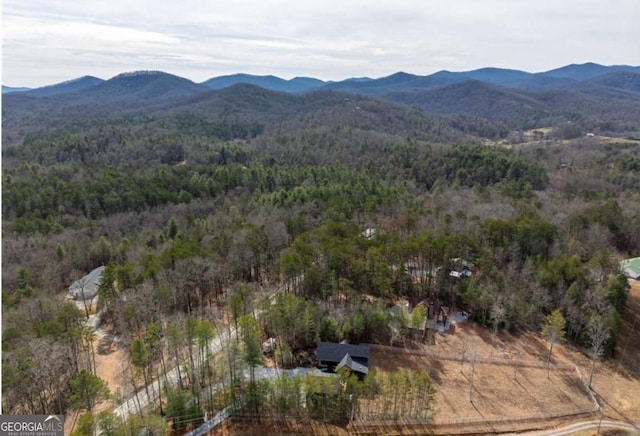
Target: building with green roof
{"x": 631, "y": 268}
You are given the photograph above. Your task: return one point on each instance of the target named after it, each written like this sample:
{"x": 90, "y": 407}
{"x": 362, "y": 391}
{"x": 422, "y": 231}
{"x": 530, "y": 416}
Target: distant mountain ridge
{"x": 589, "y": 71}
{"x": 66, "y": 87}
{"x": 620, "y": 80}
{"x": 295, "y": 85}
{"x": 596, "y": 96}
{"x": 396, "y": 82}
{"x": 558, "y": 78}
{"x": 141, "y": 85}
{"x": 475, "y": 98}
{"x": 10, "y": 89}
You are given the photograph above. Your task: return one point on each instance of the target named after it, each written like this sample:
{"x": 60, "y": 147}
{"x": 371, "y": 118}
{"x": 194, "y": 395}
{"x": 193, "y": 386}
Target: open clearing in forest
{"x": 616, "y": 381}
{"x": 499, "y": 390}
{"x": 110, "y": 357}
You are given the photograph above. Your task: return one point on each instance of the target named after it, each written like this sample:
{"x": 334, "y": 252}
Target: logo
{"x": 31, "y": 425}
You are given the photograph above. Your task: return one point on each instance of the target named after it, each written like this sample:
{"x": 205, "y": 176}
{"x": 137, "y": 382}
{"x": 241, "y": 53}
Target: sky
{"x": 49, "y": 41}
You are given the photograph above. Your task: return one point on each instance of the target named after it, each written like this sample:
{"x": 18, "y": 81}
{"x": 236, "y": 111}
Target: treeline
{"x": 38, "y": 197}
{"x": 44, "y": 355}
{"x": 140, "y": 142}
{"x": 483, "y": 166}
{"x": 381, "y": 397}
{"x": 518, "y": 274}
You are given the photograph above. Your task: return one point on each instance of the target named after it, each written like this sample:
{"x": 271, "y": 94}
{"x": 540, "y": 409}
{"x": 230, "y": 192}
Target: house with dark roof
{"x": 333, "y": 356}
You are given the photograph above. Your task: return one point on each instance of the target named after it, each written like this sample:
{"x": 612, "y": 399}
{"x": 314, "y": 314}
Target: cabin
{"x": 631, "y": 268}
{"x": 332, "y": 356}
{"x": 86, "y": 288}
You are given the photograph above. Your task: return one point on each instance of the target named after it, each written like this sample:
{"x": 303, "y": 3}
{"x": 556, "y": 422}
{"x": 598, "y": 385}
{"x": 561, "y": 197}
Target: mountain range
{"x": 597, "y": 97}
{"x": 564, "y": 77}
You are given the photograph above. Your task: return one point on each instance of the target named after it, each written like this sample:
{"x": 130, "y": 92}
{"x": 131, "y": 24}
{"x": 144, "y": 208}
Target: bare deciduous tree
{"x": 553, "y": 331}
{"x": 598, "y": 334}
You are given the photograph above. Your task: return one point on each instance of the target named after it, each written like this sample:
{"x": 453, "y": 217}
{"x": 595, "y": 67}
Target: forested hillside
{"x": 196, "y": 201}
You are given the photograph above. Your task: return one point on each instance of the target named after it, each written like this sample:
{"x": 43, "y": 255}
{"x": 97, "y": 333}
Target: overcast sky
{"x": 48, "y": 41}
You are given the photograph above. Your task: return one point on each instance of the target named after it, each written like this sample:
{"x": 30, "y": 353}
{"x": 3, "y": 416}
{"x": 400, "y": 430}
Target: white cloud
{"x": 55, "y": 40}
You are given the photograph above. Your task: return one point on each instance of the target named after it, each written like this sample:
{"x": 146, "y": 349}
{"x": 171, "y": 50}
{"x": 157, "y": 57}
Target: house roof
{"x": 631, "y": 267}
{"x": 332, "y": 352}
{"x": 89, "y": 283}
{"x": 352, "y": 365}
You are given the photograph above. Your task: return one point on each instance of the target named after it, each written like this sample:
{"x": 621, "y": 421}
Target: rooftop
{"x": 352, "y": 365}
{"x": 631, "y": 267}
{"x": 88, "y": 284}
{"x": 332, "y": 352}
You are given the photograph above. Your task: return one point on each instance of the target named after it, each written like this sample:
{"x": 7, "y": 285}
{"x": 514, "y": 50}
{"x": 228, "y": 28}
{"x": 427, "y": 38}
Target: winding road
{"x": 141, "y": 400}
{"x": 586, "y": 425}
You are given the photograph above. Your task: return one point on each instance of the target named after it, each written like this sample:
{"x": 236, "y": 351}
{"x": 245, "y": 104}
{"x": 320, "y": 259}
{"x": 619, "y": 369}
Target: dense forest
{"x": 210, "y": 208}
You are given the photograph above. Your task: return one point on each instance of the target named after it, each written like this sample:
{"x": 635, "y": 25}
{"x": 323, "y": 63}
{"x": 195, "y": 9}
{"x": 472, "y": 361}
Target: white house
{"x": 87, "y": 287}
